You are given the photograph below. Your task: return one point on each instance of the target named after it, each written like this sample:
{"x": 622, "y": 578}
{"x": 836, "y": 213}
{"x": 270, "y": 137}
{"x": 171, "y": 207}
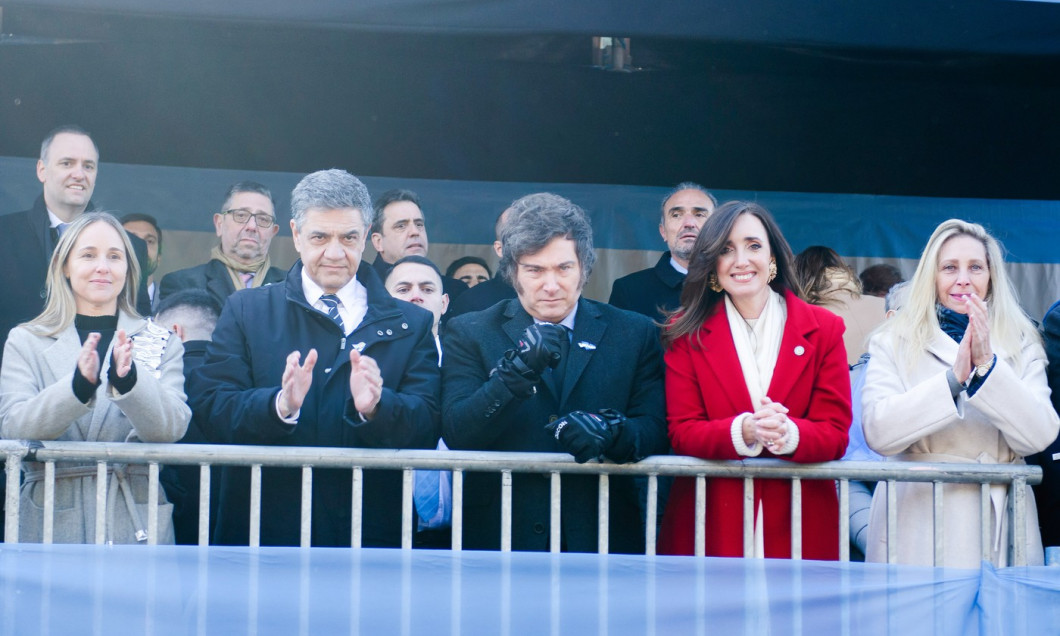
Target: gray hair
{"x": 330, "y": 190}
{"x": 534, "y": 221}
{"x": 686, "y": 185}
{"x": 896, "y": 296}
{"x": 248, "y": 186}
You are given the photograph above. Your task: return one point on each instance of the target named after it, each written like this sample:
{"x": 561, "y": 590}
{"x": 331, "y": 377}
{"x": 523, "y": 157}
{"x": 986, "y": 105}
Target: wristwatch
{"x": 982, "y": 369}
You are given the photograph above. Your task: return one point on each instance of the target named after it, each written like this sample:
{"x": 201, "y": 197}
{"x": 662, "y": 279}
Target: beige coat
{"x": 37, "y": 402}
{"x": 861, "y": 313}
{"x": 909, "y": 415}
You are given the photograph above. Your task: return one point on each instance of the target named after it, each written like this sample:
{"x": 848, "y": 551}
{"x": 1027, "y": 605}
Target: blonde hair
{"x": 61, "y": 306}
{"x": 915, "y": 326}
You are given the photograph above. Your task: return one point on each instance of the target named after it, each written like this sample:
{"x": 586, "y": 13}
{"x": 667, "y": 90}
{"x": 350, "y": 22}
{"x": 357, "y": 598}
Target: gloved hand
{"x": 520, "y": 379}
{"x": 587, "y": 435}
{"x": 539, "y": 348}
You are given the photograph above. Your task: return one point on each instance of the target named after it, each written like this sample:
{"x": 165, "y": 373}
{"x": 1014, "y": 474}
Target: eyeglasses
{"x": 242, "y": 216}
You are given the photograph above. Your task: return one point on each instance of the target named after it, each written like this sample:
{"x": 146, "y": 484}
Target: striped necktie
{"x": 331, "y": 301}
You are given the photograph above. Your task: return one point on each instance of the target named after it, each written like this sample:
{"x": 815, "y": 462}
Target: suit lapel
{"x": 589, "y": 330}
{"x": 218, "y": 282}
{"x": 796, "y": 349}
{"x": 719, "y": 358}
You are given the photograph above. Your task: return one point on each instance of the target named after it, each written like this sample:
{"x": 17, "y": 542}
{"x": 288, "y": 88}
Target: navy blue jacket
{"x": 234, "y": 393}
{"x": 615, "y": 362}
{"x": 649, "y": 290}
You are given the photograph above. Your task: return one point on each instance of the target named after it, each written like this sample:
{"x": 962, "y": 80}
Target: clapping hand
{"x": 88, "y": 359}
{"x": 297, "y": 378}
{"x": 366, "y": 384}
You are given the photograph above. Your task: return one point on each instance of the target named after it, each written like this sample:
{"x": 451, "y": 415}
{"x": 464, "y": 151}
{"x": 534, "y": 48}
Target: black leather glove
{"x": 540, "y": 346}
{"x": 520, "y": 379}
{"x": 587, "y": 435}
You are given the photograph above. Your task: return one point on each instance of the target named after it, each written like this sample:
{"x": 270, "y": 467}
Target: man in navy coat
{"x": 550, "y": 371}
{"x": 657, "y": 290}
{"x": 326, "y": 358}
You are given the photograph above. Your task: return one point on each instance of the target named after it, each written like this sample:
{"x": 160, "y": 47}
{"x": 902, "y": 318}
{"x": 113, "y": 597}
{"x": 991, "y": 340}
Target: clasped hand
{"x": 767, "y": 426}
{"x": 974, "y": 348}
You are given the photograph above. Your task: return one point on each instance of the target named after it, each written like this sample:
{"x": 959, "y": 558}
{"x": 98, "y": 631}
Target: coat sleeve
{"x": 644, "y": 432}
{"x": 1017, "y": 402}
{"x": 29, "y": 408}
{"x": 407, "y": 414}
{"x": 473, "y": 397}
{"x": 693, "y": 430}
{"x": 222, "y": 393}
{"x": 156, "y": 407}
{"x": 894, "y": 415}
{"x": 824, "y": 430}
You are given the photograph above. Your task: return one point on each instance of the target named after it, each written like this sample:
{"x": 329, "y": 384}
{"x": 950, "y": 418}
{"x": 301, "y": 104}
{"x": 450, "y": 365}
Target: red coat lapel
{"x": 796, "y": 348}
{"x": 721, "y": 363}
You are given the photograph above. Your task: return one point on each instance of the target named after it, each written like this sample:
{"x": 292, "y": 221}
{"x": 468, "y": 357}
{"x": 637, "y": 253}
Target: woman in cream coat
{"x": 958, "y": 375}
{"x": 55, "y": 385}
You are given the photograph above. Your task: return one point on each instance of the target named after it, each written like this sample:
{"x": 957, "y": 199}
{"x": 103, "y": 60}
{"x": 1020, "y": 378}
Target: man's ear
{"x": 497, "y": 248}
{"x": 377, "y": 241}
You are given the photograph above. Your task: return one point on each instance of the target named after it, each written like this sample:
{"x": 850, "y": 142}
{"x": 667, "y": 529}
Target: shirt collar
{"x": 353, "y": 294}
{"x": 568, "y": 320}
{"x": 679, "y": 267}
{"x": 54, "y": 221}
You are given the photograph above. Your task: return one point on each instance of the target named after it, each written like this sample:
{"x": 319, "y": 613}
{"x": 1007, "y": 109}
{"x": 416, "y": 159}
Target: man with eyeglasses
{"x": 245, "y": 226}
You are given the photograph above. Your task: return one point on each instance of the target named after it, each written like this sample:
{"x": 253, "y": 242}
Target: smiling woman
{"x": 89, "y": 368}
{"x": 958, "y": 375}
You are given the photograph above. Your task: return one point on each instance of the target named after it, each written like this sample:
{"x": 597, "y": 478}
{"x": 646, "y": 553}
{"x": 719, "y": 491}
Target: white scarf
{"x": 759, "y": 347}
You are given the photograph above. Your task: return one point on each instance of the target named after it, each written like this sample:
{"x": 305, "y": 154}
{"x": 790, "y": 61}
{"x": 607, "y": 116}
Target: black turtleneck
{"x": 105, "y": 326}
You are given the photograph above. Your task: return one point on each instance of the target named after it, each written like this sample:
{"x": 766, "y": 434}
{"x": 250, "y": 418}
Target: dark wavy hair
{"x": 698, "y": 300}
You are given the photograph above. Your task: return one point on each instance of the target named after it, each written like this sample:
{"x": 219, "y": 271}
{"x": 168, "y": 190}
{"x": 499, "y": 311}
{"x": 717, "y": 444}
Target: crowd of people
{"x": 730, "y": 347}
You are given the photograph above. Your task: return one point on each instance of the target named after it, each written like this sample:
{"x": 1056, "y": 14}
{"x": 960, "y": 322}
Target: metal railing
{"x": 357, "y": 460}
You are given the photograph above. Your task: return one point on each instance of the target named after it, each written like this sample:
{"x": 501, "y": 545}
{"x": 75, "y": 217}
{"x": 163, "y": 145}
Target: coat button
{"x": 539, "y": 528}
{"x": 379, "y": 333}
{"x": 799, "y": 350}
{"x": 404, "y": 325}
{"x": 389, "y": 332}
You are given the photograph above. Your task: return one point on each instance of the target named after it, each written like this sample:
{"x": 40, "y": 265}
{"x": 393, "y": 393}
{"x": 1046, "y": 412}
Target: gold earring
{"x": 712, "y": 282}
{"x": 772, "y": 270}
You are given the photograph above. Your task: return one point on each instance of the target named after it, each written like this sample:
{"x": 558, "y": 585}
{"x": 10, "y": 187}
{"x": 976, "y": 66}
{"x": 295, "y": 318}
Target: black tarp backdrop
{"x": 905, "y": 97}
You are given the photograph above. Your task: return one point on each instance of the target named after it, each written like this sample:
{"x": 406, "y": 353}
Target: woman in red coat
{"x": 753, "y": 371}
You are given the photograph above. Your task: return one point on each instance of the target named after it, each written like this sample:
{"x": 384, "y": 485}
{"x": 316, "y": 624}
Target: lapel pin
{"x": 359, "y": 346}
{"x": 588, "y": 346}
{"x": 799, "y": 350}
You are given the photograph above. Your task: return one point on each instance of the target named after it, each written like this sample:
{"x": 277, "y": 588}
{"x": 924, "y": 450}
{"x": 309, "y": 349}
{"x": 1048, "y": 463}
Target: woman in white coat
{"x": 958, "y": 375}
{"x": 89, "y": 368}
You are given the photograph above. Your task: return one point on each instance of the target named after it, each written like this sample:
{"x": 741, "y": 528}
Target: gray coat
{"x": 909, "y": 416}
{"x": 37, "y": 402}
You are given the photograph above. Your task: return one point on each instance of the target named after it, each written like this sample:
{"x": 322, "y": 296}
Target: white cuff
{"x": 791, "y": 435}
{"x": 286, "y": 420}
{"x": 737, "y": 438}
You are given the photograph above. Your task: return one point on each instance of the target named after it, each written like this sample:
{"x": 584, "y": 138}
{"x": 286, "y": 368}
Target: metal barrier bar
{"x": 701, "y": 515}
{"x": 796, "y": 519}
{"x": 939, "y": 522}
{"x": 101, "y": 502}
{"x": 555, "y": 535}
{"x": 506, "y": 511}
{"x": 602, "y": 514}
{"x": 204, "y": 504}
{"x": 651, "y": 515}
{"x": 555, "y": 465}
{"x": 844, "y": 520}
{"x": 357, "y": 507}
{"x": 306, "y": 534}
{"x": 748, "y": 517}
{"x": 255, "y": 505}
{"x": 457, "y": 525}
{"x": 892, "y": 522}
{"x": 985, "y": 527}
{"x": 407, "y": 484}
{"x": 1019, "y": 521}
{"x": 152, "y": 503}
{"x": 49, "y": 502}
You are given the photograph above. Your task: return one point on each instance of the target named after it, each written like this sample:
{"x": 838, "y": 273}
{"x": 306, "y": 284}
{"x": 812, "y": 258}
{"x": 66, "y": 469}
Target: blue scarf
{"x": 953, "y": 323}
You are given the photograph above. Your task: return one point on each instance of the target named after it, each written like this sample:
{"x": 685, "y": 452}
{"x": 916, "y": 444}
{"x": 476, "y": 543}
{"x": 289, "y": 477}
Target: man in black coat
{"x": 1047, "y": 494}
{"x": 657, "y": 290}
{"x": 376, "y": 384}
{"x": 245, "y": 228}
{"x": 400, "y": 230}
{"x": 550, "y": 371}
{"x": 67, "y": 169}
